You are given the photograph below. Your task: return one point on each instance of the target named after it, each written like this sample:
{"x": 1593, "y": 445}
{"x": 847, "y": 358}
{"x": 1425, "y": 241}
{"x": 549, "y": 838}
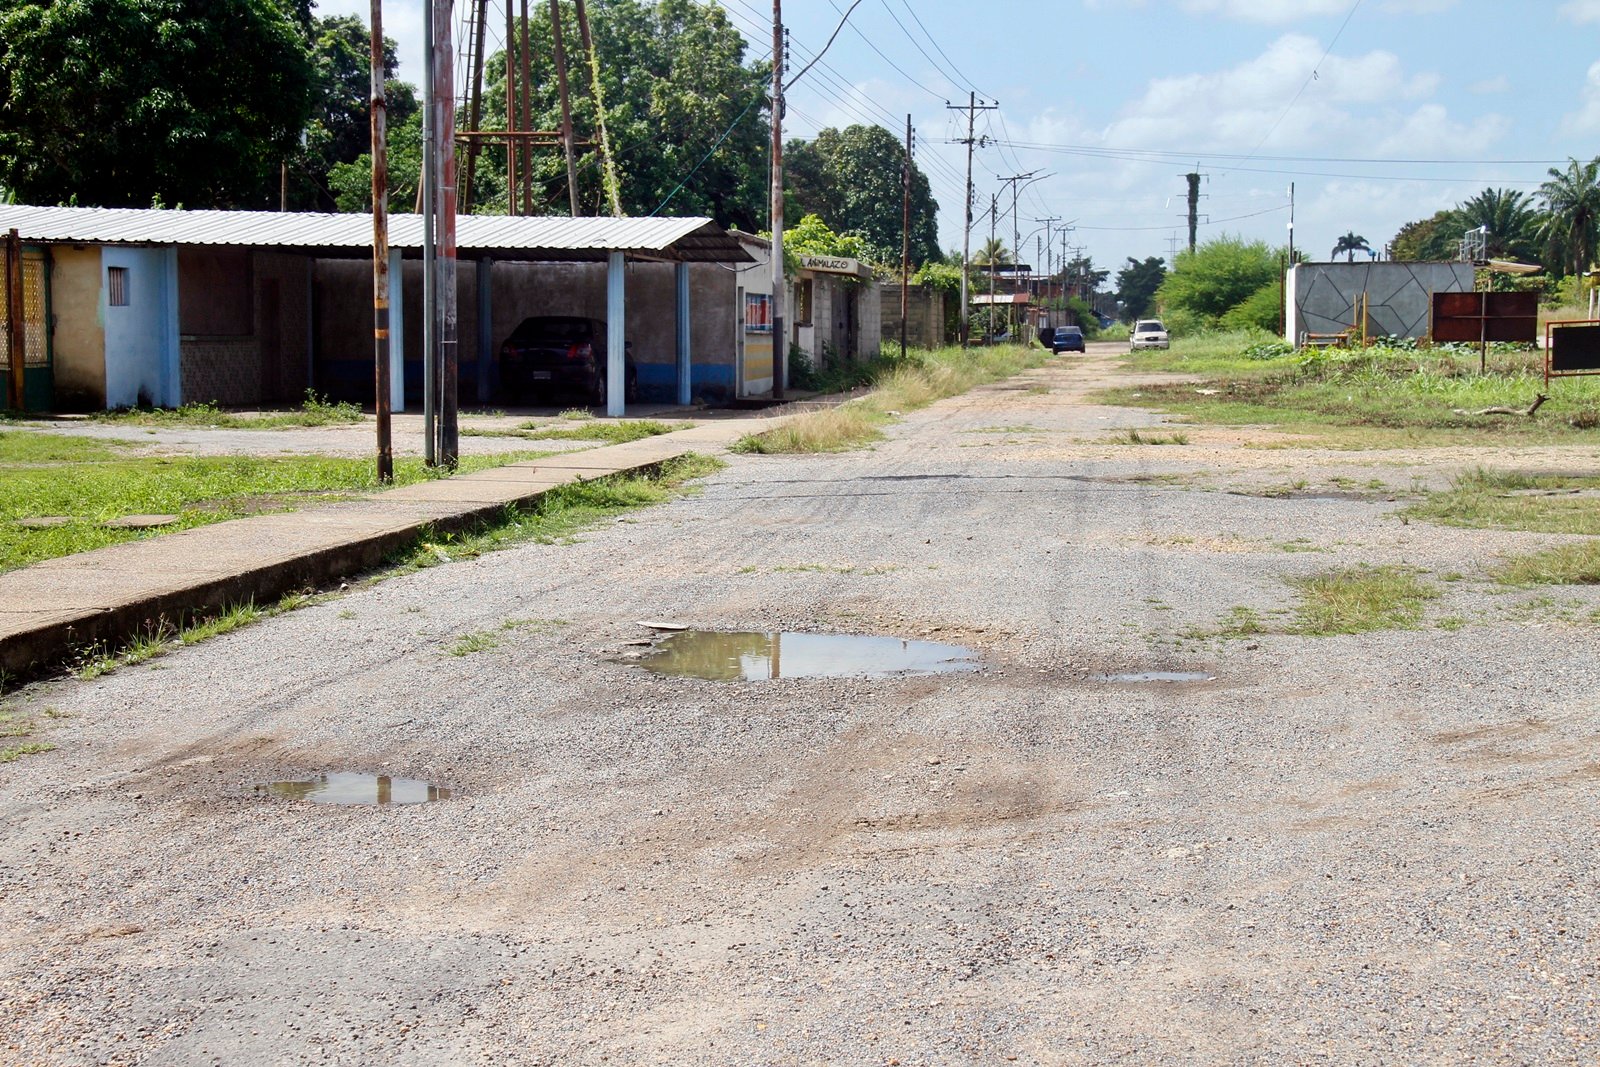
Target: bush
{"x": 1260, "y": 311}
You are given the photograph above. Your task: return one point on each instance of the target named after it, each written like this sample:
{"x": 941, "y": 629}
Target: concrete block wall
{"x": 1325, "y": 298}
{"x": 924, "y": 316}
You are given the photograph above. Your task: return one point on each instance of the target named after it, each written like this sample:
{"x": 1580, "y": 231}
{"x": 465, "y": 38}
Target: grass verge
{"x": 555, "y": 518}
{"x": 898, "y": 386}
{"x": 1575, "y": 564}
{"x": 313, "y": 411}
{"x": 618, "y": 432}
{"x": 82, "y": 484}
{"x": 1361, "y": 599}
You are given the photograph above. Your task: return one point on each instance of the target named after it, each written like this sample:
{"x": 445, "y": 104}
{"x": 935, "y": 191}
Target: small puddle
{"x": 347, "y": 787}
{"x": 753, "y": 657}
{"x": 1139, "y": 677}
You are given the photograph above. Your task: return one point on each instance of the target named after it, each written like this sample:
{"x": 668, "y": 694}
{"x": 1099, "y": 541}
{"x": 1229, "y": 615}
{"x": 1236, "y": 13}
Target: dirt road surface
{"x": 1374, "y": 849}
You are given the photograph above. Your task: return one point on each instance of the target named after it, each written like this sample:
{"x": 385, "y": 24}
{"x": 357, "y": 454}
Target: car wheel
{"x": 600, "y": 388}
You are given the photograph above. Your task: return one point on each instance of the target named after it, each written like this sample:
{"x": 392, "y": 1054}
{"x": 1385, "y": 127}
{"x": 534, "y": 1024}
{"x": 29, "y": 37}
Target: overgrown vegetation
{"x": 612, "y": 432}
{"x": 1510, "y": 500}
{"x": 1574, "y": 564}
{"x": 87, "y": 483}
{"x": 897, "y": 386}
{"x": 1416, "y": 394}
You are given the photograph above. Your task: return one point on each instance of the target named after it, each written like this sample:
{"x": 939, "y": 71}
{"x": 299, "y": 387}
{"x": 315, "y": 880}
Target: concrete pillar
{"x": 616, "y": 333}
{"x": 397, "y": 330}
{"x": 485, "y": 275}
{"x": 685, "y": 384}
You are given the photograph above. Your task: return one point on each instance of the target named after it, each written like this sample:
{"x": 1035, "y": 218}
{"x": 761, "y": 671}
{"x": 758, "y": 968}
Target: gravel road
{"x": 1375, "y": 849}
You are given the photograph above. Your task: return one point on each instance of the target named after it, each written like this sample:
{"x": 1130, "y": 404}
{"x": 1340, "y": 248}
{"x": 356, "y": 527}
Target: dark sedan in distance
{"x": 1067, "y": 339}
{"x": 559, "y": 354}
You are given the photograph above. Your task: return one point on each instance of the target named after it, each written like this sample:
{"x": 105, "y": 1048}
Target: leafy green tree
{"x": 687, "y": 119}
{"x": 1137, "y": 284}
{"x": 1217, "y": 276}
{"x": 1082, "y": 277}
{"x": 1261, "y": 310}
{"x": 1350, "y": 244}
{"x": 1571, "y": 228}
{"x": 340, "y": 127}
{"x": 122, "y": 103}
{"x": 351, "y": 183}
{"x": 992, "y": 252}
{"x": 1427, "y": 240}
{"x": 853, "y": 179}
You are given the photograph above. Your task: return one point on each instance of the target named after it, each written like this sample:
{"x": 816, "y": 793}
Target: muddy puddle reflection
{"x": 752, "y": 657}
{"x": 347, "y": 787}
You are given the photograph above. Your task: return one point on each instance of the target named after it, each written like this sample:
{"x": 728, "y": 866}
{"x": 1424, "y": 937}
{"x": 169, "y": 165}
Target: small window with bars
{"x": 117, "y": 287}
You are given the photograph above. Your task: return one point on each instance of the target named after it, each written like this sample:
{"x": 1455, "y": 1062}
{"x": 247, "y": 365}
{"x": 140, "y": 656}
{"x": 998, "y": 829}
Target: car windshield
{"x": 1068, "y": 331}
{"x": 565, "y": 330}
{"x": 1149, "y": 326}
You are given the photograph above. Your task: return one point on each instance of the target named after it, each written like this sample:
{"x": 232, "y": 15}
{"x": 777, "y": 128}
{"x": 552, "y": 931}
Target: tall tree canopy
{"x": 852, "y": 179}
{"x": 1350, "y": 244}
{"x": 687, "y": 119}
{"x": 1572, "y": 216}
{"x": 1137, "y": 284}
{"x": 121, "y": 103}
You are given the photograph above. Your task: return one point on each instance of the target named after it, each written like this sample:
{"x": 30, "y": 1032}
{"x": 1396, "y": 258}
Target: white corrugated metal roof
{"x": 696, "y": 239}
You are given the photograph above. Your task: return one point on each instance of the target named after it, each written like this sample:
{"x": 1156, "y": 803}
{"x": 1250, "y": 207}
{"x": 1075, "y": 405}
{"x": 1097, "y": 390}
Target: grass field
{"x": 89, "y": 482}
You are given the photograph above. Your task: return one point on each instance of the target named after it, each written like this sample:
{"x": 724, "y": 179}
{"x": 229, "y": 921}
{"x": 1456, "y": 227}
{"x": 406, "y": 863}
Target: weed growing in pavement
{"x": 1134, "y": 437}
{"x": 1574, "y": 564}
{"x": 615, "y": 433}
{"x": 477, "y": 641}
{"x": 1507, "y": 500}
{"x": 15, "y": 725}
{"x": 31, "y": 748}
{"x": 1360, "y": 599}
{"x": 898, "y": 386}
{"x": 160, "y": 637}
{"x": 575, "y": 414}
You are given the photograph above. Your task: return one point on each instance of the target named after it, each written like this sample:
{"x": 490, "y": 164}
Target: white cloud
{"x": 1429, "y": 132}
{"x": 1497, "y": 84}
{"x": 1580, "y": 11}
{"x": 1586, "y": 120}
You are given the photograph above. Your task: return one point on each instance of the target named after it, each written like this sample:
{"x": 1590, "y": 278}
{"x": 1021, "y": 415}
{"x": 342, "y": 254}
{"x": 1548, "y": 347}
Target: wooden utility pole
{"x": 380, "y": 248}
{"x": 905, "y": 241}
{"x": 16, "y": 326}
{"x": 560, "y": 53}
{"x": 778, "y": 367}
{"x": 972, "y": 109}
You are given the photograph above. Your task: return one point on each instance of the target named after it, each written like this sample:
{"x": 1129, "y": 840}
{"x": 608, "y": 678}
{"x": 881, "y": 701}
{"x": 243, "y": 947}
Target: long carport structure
{"x": 482, "y": 238}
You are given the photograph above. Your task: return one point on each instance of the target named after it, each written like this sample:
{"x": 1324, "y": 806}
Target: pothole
{"x": 1146, "y": 677}
{"x": 751, "y": 657}
{"x": 350, "y": 787}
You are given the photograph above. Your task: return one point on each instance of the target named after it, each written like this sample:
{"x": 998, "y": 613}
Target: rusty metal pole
{"x": 380, "y": 247}
{"x": 560, "y": 54}
{"x": 511, "y": 110}
{"x": 525, "y": 53}
{"x": 445, "y": 116}
{"x": 16, "y": 327}
{"x": 475, "y": 104}
{"x": 778, "y": 360}
{"x": 608, "y": 166}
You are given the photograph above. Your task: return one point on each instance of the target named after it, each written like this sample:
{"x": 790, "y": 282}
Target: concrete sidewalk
{"x": 111, "y": 594}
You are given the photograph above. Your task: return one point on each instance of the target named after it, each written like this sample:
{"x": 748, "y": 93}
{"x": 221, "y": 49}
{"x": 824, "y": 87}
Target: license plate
{"x": 541, "y": 376}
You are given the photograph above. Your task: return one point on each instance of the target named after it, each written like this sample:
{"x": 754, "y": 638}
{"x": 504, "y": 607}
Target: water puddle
{"x": 752, "y": 657}
{"x": 1142, "y": 677}
{"x": 347, "y": 787}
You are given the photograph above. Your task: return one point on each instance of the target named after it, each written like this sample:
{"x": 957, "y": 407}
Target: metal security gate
{"x": 38, "y": 377}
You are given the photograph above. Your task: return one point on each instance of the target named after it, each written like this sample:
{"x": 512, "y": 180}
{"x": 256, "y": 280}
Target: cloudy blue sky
{"x": 1379, "y": 111}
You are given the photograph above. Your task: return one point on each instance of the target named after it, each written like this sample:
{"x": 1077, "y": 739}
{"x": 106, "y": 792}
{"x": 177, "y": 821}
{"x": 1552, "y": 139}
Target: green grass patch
{"x": 1574, "y": 564}
{"x": 618, "y": 432}
{"x": 313, "y": 411}
{"x": 477, "y": 641}
{"x": 91, "y": 483}
{"x": 1507, "y": 500}
{"x": 899, "y": 386}
{"x": 1145, "y": 437}
{"x": 31, "y": 748}
{"x": 1361, "y": 599}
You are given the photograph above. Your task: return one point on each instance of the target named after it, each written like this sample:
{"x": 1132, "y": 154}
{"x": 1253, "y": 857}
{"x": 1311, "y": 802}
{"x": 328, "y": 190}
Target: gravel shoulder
{"x": 1366, "y": 849}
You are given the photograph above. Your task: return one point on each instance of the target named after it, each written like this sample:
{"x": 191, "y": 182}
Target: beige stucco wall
{"x": 79, "y": 338}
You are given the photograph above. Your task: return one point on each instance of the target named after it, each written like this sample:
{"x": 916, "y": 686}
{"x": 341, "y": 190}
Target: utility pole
{"x": 994, "y": 208}
{"x": 380, "y": 248}
{"x": 1194, "y": 206}
{"x": 1016, "y": 232}
{"x": 430, "y": 173}
{"x": 778, "y": 354}
{"x": 972, "y": 109}
{"x": 608, "y": 164}
{"x": 445, "y": 203}
{"x": 905, "y": 240}
{"x": 16, "y": 326}
{"x": 1049, "y": 252}
{"x": 559, "y": 50}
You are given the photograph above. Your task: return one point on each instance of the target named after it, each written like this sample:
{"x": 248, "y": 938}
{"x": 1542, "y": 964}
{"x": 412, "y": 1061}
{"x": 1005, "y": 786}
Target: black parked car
{"x": 1067, "y": 339}
{"x": 560, "y": 354}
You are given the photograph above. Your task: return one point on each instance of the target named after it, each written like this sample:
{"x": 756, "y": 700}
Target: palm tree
{"x": 1508, "y": 215}
{"x": 1350, "y": 244}
{"x": 993, "y": 253}
{"x": 1571, "y": 228}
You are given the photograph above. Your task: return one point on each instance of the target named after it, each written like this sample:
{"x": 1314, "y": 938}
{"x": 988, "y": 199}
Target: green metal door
{"x": 38, "y": 382}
